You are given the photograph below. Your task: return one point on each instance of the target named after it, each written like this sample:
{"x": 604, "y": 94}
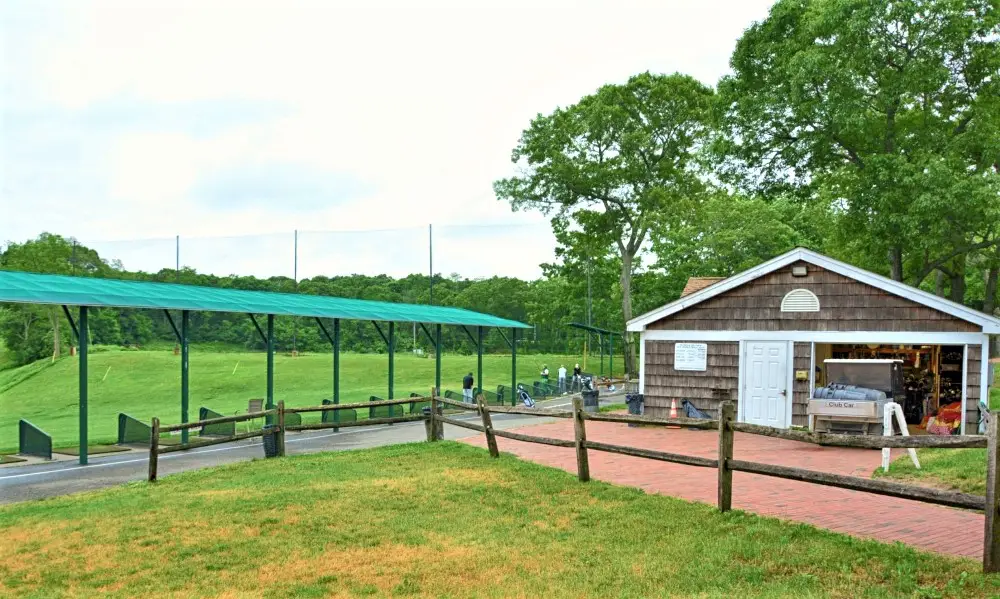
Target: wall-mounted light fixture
{"x": 800, "y": 270}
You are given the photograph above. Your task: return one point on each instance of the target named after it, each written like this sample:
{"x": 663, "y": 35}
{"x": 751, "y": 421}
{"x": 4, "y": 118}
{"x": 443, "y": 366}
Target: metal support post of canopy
{"x": 270, "y": 366}
{"x": 392, "y": 355}
{"x": 513, "y": 366}
{"x": 84, "y": 341}
{"x": 479, "y": 358}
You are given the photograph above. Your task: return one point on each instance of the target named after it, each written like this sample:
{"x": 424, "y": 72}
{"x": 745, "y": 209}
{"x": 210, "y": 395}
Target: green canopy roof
{"x": 31, "y": 288}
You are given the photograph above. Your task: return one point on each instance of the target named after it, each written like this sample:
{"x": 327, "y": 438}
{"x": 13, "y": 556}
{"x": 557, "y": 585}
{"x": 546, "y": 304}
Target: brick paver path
{"x": 928, "y": 527}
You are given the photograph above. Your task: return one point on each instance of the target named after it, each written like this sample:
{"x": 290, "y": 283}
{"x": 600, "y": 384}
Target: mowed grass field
{"x": 145, "y": 384}
{"x": 435, "y": 520}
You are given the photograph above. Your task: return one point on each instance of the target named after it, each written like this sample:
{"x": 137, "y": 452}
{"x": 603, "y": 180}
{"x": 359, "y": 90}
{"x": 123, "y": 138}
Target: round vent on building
{"x": 800, "y": 300}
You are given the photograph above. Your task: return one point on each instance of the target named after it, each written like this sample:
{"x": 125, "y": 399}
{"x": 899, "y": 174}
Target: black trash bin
{"x": 270, "y": 441}
{"x": 590, "y": 400}
{"x": 634, "y": 402}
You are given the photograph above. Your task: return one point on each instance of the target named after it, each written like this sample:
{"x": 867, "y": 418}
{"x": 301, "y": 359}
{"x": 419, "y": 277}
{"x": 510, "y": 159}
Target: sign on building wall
{"x": 691, "y": 356}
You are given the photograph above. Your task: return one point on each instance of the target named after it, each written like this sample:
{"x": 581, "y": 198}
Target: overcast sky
{"x": 232, "y": 124}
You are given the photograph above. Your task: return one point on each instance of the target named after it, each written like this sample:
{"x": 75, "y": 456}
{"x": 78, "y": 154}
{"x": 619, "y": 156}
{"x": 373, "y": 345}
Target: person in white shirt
{"x": 562, "y": 379}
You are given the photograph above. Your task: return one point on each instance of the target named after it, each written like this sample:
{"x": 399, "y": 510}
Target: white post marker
{"x": 892, "y": 408}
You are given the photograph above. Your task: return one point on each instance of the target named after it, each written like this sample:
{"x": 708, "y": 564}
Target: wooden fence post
{"x": 727, "y": 413}
{"x": 491, "y": 440}
{"x": 154, "y": 446}
{"x": 281, "y": 428}
{"x": 582, "y": 463}
{"x": 433, "y": 433}
{"x": 991, "y": 547}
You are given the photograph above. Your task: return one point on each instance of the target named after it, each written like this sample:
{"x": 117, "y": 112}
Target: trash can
{"x": 270, "y": 441}
{"x": 634, "y": 402}
{"x": 590, "y": 400}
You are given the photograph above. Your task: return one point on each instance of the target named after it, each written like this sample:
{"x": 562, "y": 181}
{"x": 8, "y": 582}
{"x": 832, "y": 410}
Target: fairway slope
{"x": 144, "y": 384}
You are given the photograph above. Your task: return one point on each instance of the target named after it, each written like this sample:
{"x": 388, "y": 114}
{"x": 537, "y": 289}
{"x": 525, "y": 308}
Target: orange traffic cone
{"x": 673, "y": 411}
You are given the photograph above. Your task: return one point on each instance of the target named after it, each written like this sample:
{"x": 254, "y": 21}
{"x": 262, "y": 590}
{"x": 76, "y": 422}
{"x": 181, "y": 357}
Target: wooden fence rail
{"x": 460, "y": 423}
{"x": 222, "y": 420}
{"x": 456, "y": 404}
{"x": 855, "y": 483}
{"x": 869, "y": 442}
{"x": 545, "y": 412}
{"x": 634, "y": 419}
{"x": 363, "y": 422}
{"x": 358, "y": 405}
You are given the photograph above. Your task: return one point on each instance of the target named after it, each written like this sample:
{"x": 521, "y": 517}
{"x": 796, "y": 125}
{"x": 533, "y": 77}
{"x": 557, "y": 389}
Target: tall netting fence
{"x": 457, "y": 251}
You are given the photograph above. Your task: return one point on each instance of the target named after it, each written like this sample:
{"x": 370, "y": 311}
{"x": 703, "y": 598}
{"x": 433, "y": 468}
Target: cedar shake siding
{"x": 845, "y": 305}
{"x": 705, "y": 389}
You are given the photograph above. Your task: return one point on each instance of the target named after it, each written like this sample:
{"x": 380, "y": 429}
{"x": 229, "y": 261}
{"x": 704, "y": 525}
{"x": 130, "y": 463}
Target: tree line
{"x": 864, "y": 129}
{"x": 32, "y": 332}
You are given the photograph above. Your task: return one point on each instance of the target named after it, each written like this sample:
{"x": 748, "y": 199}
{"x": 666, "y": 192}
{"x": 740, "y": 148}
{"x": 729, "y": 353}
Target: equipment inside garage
{"x": 925, "y": 380}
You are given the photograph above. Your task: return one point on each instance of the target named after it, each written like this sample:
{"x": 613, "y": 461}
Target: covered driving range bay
{"x": 80, "y": 295}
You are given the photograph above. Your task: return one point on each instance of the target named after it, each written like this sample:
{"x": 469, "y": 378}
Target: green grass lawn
{"x": 955, "y": 469}
{"x": 144, "y": 384}
{"x": 441, "y": 520}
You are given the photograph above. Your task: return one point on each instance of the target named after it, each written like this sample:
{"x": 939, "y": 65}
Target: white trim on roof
{"x": 881, "y": 337}
{"x": 989, "y": 323}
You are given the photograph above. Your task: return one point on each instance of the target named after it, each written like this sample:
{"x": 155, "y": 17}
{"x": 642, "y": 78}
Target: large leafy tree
{"x": 887, "y": 111}
{"x": 730, "y": 233}
{"x": 49, "y": 254}
{"x": 614, "y": 162}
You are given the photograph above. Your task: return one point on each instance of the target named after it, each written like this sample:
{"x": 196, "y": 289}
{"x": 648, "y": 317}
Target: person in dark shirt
{"x": 467, "y": 384}
{"x": 577, "y": 379}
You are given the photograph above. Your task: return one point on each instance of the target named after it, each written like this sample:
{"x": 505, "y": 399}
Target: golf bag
{"x": 523, "y": 396}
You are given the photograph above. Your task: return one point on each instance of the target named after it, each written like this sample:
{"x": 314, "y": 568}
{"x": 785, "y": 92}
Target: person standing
{"x": 467, "y": 383}
{"x": 562, "y": 378}
{"x": 577, "y": 378}
{"x": 545, "y": 374}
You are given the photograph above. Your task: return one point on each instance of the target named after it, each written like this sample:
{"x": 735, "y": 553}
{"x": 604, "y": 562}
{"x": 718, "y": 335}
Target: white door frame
{"x": 789, "y": 381}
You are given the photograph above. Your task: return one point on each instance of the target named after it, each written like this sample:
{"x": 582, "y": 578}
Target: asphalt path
{"x": 52, "y": 479}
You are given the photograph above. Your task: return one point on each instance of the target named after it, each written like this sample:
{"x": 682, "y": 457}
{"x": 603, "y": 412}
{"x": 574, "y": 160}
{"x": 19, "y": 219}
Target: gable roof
{"x": 989, "y": 323}
{"x": 698, "y": 283}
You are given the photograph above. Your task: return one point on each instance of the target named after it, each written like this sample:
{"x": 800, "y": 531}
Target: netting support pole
{"x": 513, "y": 366}
{"x": 479, "y": 356}
{"x": 84, "y": 341}
{"x": 270, "y": 365}
{"x": 391, "y": 342}
{"x": 600, "y": 341}
{"x": 611, "y": 356}
{"x": 437, "y": 359}
{"x": 185, "y": 322}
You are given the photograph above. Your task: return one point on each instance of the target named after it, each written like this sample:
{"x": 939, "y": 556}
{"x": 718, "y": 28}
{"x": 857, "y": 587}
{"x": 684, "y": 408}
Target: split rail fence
{"x": 434, "y": 416}
{"x": 725, "y": 464}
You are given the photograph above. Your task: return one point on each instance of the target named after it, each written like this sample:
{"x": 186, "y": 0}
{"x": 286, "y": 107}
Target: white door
{"x": 765, "y": 380}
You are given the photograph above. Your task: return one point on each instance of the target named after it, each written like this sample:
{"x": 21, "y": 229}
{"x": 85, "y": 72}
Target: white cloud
{"x": 420, "y": 101}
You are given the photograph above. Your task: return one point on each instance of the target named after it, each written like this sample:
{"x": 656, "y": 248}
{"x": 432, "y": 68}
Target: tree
{"x": 51, "y": 254}
{"x": 607, "y": 164}
{"x": 730, "y": 233}
{"x": 885, "y": 110}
